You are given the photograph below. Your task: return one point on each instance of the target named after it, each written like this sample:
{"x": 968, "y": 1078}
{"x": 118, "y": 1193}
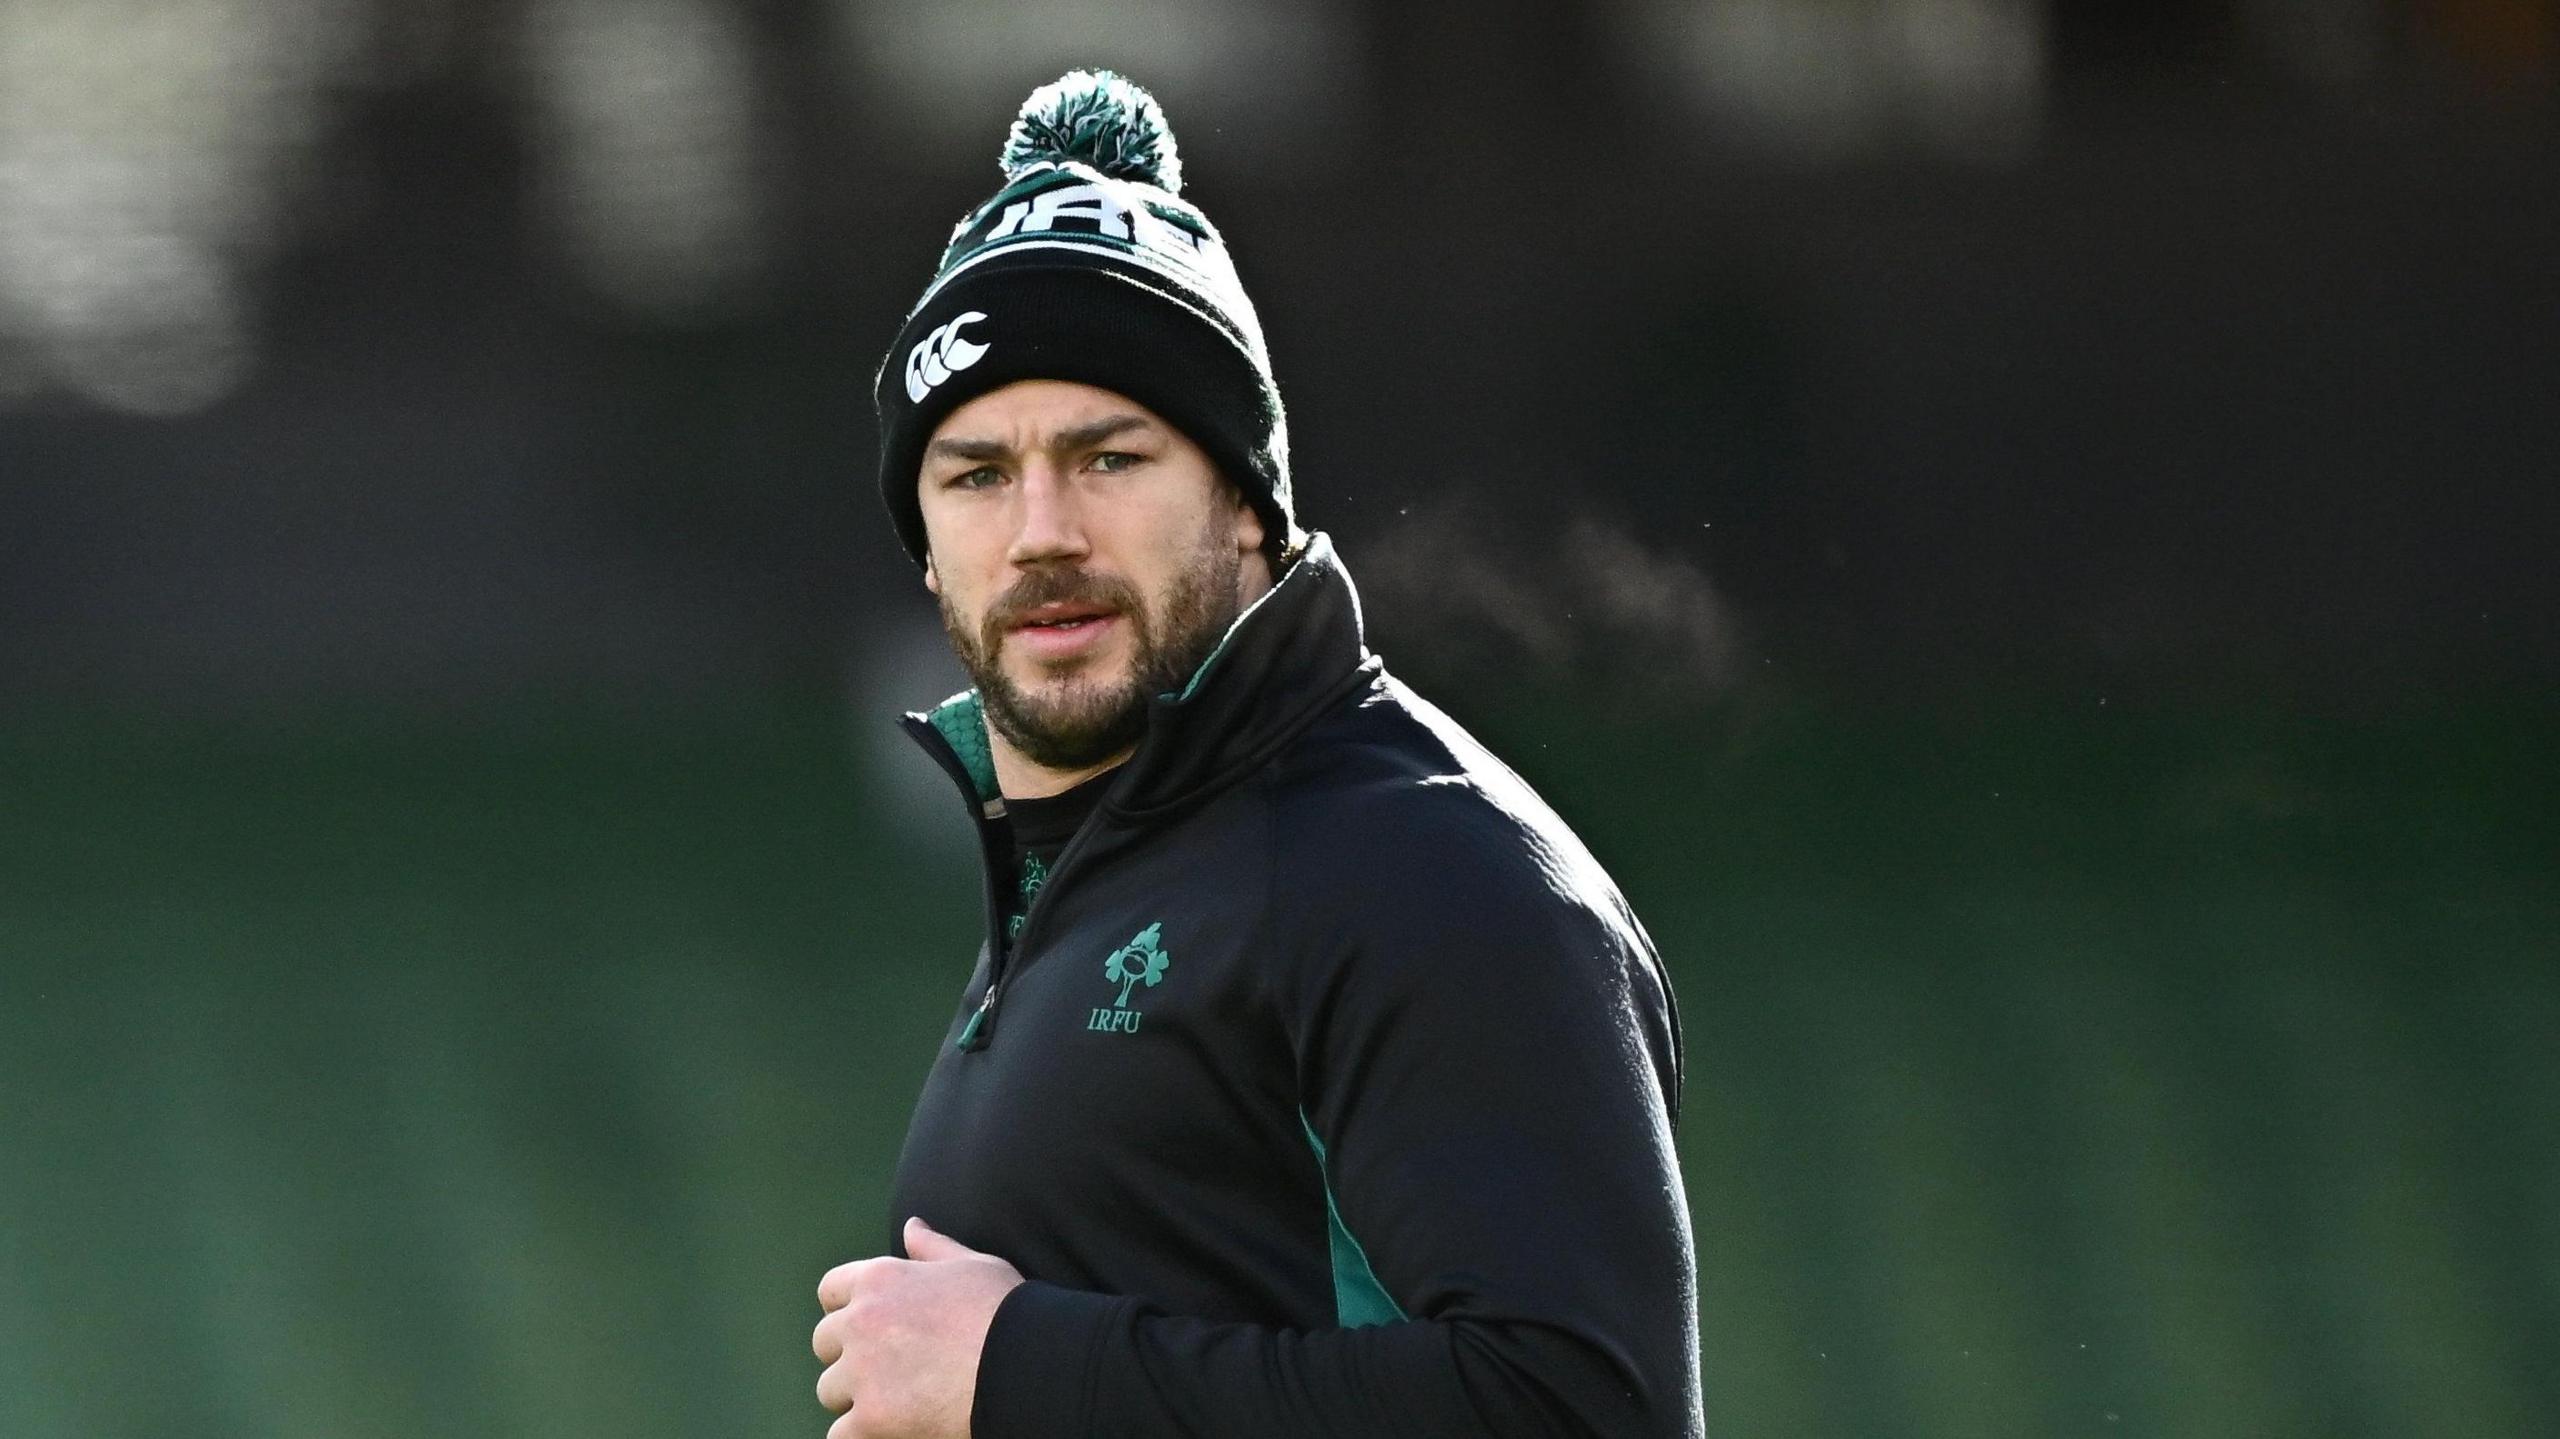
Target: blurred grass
{"x": 2051, "y": 1071}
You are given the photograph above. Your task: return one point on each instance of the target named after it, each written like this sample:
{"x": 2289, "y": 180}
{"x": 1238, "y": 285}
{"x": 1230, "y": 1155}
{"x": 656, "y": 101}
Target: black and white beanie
{"x": 1088, "y": 266}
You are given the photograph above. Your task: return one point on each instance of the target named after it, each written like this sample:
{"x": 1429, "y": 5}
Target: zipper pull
{"x": 977, "y": 1021}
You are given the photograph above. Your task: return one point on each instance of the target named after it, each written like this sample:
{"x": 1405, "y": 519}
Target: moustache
{"x": 1052, "y": 587}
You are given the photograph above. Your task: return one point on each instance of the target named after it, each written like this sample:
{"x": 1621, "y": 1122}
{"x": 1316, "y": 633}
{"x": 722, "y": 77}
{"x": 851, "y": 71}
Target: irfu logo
{"x": 1140, "y": 961}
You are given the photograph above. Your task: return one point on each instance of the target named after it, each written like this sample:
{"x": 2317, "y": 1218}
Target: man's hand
{"x": 901, "y": 1337}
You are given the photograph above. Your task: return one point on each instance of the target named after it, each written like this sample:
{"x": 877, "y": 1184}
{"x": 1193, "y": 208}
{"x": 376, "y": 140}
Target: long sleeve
{"x": 1488, "y": 1067}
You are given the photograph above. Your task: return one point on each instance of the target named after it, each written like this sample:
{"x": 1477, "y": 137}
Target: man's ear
{"x": 1249, "y": 533}
{"x": 932, "y": 581}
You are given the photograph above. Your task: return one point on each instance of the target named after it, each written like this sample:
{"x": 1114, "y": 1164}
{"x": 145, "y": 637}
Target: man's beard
{"x": 1076, "y": 723}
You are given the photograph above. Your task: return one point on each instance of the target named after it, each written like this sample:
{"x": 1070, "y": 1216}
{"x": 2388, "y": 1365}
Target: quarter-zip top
{"x": 1327, "y": 1087}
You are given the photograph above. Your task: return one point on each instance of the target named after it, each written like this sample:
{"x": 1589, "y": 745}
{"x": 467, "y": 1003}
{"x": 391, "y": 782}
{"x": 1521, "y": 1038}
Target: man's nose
{"x": 1051, "y": 527}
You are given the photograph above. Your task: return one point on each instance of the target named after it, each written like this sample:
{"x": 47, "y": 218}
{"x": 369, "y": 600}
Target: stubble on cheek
{"x": 1070, "y": 717}
{"x": 1064, "y": 716}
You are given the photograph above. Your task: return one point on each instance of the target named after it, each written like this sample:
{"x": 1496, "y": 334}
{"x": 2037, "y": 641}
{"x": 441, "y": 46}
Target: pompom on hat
{"x": 1087, "y": 265}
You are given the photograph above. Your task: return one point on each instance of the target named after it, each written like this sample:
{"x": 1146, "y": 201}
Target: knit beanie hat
{"x": 1088, "y": 266}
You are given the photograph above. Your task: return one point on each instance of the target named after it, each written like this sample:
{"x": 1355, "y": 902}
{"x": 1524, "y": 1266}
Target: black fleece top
{"x": 1327, "y": 1089}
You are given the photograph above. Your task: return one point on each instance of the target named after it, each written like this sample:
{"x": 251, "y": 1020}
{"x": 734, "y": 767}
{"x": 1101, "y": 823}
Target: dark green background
{"x": 2057, "y": 636}
{"x": 2052, "y": 1071}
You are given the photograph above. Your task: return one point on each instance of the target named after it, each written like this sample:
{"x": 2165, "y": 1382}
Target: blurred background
{"x": 2022, "y": 533}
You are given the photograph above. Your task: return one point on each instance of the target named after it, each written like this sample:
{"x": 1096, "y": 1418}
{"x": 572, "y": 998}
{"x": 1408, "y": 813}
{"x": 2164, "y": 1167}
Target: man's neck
{"x": 1018, "y": 778}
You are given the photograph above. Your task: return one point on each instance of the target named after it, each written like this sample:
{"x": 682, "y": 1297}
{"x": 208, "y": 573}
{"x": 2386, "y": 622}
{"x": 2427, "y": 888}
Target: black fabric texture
{"x": 1310, "y": 905}
{"x": 1043, "y": 826}
{"x": 1040, "y": 830}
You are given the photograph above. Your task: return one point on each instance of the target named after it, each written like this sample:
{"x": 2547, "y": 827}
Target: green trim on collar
{"x": 962, "y": 722}
{"x": 1233, "y": 629}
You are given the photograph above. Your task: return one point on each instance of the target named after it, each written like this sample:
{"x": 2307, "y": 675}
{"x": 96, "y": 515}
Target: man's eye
{"x": 980, "y": 478}
{"x": 1114, "y": 462}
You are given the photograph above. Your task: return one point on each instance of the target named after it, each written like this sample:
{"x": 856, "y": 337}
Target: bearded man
{"x": 1312, "y": 1079}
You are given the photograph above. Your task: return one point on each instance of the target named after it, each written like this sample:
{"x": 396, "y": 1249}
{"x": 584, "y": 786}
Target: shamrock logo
{"x": 1138, "y": 962}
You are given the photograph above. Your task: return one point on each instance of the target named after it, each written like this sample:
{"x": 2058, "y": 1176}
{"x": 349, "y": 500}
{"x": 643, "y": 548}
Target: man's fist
{"x": 901, "y": 1337}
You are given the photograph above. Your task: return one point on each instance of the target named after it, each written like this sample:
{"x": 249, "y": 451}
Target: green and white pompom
{"x": 1099, "y": 119}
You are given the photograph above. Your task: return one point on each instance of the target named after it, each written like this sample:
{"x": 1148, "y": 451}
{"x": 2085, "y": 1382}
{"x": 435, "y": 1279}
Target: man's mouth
{"x": 1066, "y": 632}
{"x": 1065, "y": 618}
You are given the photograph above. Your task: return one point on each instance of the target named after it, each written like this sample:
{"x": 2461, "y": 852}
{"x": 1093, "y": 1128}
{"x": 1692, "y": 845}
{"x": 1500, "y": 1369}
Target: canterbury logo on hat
{"x": 939, "y": 353}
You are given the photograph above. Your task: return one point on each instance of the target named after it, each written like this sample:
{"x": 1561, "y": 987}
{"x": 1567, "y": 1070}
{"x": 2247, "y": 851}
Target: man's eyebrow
{"x": 1086, "y": 436}
{"x": 978, "y": 450}
{"x": 1083, "y": 436}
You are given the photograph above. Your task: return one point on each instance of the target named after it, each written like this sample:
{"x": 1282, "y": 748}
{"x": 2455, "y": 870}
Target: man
{"x": 1313, "y": 1078}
